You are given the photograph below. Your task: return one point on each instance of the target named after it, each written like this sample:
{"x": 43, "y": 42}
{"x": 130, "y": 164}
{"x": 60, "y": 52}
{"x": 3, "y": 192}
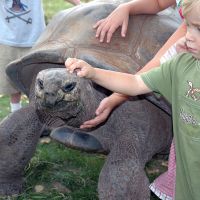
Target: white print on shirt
{"x": 17, "y": 10}
{"x": 187, "y": 118}
{"x": 192, "y": 92}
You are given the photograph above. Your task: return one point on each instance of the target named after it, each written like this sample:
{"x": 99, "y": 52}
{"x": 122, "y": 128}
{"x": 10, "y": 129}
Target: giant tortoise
{"x": 61, "y": 102}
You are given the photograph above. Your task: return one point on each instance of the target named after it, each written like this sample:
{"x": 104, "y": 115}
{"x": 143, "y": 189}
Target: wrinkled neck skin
{"x": 89, "y": 102}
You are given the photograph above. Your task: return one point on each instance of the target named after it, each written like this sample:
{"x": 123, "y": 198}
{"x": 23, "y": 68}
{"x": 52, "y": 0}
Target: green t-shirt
{"x": 179, "y": 82}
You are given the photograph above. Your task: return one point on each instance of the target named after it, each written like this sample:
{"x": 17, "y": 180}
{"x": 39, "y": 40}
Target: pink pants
{"x": 164, "y": 185}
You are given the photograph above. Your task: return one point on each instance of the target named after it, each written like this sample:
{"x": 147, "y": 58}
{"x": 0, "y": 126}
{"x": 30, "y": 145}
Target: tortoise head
{"x": 64, "y": 95}
{"x": 55, "y": 89}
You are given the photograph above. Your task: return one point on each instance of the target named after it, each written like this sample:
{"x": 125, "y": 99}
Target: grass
{"x": 51, "y": 7}
{"x": 58, "y": 173}
{"x": 63, "y": 174}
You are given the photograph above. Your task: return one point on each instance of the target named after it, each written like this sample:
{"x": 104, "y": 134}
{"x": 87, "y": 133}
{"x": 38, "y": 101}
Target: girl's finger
{"x": 98, "y": 23}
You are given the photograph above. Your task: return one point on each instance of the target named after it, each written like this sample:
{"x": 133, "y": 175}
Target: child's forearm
{"x": 122, "y": 83}
{"x": 118, "y": 98}
{"x": 118, "y": 82}
{"x": 154, "y": 6}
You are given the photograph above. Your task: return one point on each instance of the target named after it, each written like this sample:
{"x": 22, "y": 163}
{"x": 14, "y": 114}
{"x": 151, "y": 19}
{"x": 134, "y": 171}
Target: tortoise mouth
{"x": 62, "y": 105}
{"x": 65, "y": 111}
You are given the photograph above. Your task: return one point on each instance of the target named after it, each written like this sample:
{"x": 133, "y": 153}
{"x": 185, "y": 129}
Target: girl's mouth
{"x": 191, "y": 50}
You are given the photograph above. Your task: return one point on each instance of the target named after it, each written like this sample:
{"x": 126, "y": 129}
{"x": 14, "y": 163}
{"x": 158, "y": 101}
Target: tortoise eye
{"x": 69, "y": 87}
{"x": 40, "y": 84}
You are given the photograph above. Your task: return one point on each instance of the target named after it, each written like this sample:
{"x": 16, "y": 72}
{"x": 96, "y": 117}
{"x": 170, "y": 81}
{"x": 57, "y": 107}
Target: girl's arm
{"x": 122, "y": 83}
{"x": 148, "y": 6}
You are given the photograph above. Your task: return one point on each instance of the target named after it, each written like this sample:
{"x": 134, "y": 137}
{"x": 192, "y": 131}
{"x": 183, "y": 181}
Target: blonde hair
{"x": 187, "y": 6}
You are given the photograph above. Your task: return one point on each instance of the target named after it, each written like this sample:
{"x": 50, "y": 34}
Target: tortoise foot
{"x": 11, "y": 188}
{"x": 77, "y": 140}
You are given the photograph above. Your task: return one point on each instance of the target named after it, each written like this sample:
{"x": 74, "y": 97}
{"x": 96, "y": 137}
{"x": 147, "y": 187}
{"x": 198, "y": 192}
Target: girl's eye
{"x": 198, "y": 28}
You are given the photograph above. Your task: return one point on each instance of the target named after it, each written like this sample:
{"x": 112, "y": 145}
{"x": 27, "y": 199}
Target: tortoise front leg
{"x": 19, "y": 134}
{"x": 77, "y": 139}
{"x": 123, "y": 176}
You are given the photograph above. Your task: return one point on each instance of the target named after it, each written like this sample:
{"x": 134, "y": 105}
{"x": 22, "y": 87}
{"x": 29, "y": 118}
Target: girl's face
{"x": 192, "y": 20}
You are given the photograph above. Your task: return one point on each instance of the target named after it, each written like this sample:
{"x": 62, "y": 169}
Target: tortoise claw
{"x": 76, "y": 139}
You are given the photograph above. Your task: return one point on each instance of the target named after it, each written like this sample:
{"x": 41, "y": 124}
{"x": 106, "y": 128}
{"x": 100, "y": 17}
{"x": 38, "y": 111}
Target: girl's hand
{"x": 82, "y": 68}
{"x": 107, "y": 26}
{"x": 181, "y": 45}
{"x": 102, "y": 113}
{"x": 104, "y": 109}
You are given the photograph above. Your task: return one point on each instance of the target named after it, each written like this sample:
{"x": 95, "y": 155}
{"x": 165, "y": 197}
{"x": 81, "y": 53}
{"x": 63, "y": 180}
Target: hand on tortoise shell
{"x": 81, "y": 68}
{"x": 102, "y": 113}
{"x": 107, "y": 26}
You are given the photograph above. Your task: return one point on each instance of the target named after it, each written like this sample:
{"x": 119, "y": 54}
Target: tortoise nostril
{"x": 50, "y": 94}
{"x": 68, "y": 87}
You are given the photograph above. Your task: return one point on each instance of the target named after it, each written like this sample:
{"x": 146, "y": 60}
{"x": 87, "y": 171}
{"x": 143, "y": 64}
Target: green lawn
{"x": 53, "y": 6}
{"x": 58, "y": 173}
